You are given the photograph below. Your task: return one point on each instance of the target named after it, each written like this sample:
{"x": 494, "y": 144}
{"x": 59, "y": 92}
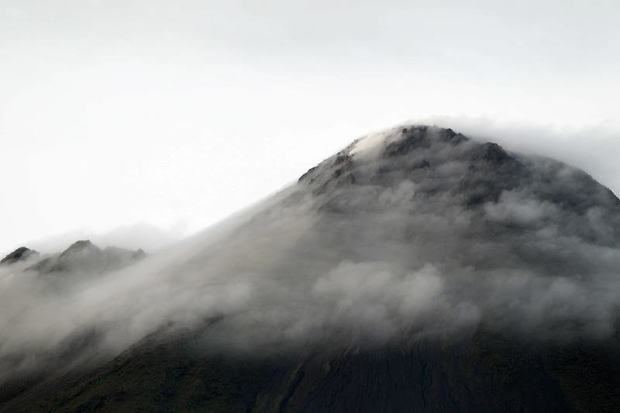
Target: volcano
{"x": 415, "y": 270}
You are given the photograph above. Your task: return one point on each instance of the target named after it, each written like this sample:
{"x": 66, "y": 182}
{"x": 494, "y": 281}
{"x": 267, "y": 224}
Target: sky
{"x": 173, "y": 115}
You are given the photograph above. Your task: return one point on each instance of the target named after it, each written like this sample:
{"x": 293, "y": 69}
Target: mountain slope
{"x": 415, "y": 270}
{"x": 484, "y": 374}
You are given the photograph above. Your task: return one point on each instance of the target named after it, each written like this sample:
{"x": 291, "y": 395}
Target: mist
{"x": 407, "y": 234}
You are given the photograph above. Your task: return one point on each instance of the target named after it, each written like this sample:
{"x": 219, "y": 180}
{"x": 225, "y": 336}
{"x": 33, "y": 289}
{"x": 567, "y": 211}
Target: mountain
{"x": 85, "y": 257}
{"x": 415, "y": 270}
{"x": 20, "y": 254}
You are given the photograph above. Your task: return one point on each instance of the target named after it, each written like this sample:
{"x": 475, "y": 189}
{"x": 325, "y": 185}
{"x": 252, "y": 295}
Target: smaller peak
{"x": 20, "y": 254}
{"x": 21, "y": 251}
{"x": 123, "y": 252}
{"x": 78, "y": 246}
{"x": 139, "y": 254}
{"x": 81, "y": 244}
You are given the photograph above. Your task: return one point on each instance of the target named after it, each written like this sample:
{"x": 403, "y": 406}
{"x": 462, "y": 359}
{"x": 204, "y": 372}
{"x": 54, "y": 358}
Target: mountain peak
{"x": 20, "y": 254}
{"x": 439, "y": 159}
{"x": 444, "y": 168}
{"x": 85, "y": 257}
{"x": 400, "y": 140}
{"x": 80, "y": 246}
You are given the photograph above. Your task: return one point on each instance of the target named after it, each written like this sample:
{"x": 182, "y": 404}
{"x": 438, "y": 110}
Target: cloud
{"x": 372, "y": 298}
{"x": 514, "y": 207}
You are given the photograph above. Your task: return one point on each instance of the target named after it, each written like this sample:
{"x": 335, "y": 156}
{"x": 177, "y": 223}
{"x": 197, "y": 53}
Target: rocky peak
{"x": 420, "y": 137}
{"x": 445, "y": 170}
{"x": 81, "y": 246}
{"x": 437, "y": 159}
{"x": 85, "y": 257}
{"x": 20, "y": 254}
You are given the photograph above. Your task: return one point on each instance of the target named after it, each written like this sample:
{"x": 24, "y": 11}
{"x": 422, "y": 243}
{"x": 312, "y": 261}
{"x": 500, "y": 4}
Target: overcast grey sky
{"x": 177, "y": 113}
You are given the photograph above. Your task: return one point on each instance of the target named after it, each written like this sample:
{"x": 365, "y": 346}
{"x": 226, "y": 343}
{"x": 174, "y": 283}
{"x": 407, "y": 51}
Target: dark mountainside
{"x": 416, "y": 270}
